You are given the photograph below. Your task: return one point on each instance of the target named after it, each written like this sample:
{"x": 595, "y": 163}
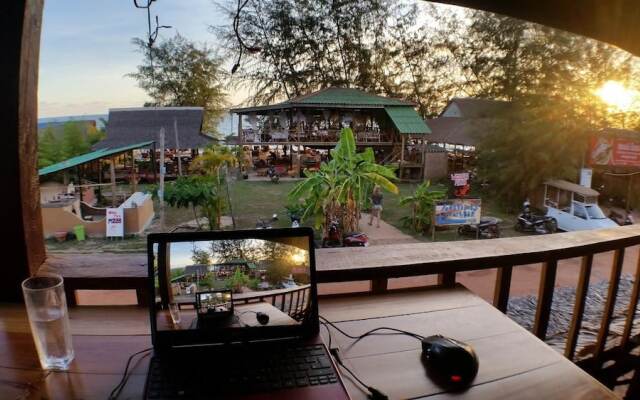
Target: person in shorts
{"x": 376, "y": 206}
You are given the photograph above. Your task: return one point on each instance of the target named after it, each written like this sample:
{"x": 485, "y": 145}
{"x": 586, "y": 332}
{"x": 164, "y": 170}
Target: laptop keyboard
{"x": 246, "y": 370}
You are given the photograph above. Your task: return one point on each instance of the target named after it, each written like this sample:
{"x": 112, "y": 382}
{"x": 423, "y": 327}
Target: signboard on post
{"x": 460, "y": 178}
{"x": 614, "y": 152}
{"x": 115, "y": 222}
{"x": 458, "y": 212}
{"x": 585, "y": 177}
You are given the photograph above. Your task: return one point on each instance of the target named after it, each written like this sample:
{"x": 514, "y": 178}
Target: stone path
{"x": 386, "y": 234}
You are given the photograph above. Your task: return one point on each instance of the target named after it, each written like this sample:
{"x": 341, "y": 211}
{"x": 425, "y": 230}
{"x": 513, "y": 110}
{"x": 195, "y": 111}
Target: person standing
{"x": 376, "y": 206}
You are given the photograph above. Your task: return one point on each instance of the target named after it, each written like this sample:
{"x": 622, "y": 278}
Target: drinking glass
{"x": 174, "y": 310}
{"x": 46, "y": 306}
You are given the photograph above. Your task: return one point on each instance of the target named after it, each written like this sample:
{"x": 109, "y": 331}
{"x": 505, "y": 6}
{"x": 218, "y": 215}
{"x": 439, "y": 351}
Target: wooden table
{"x": 513, "y": 363}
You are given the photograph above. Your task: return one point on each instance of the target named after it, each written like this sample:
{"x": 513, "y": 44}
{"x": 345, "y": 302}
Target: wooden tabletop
{"x": 513, "y": 363}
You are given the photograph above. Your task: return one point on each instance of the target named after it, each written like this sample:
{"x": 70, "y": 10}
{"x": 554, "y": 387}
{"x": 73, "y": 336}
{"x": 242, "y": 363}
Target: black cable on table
{"x": 118, "y": 389}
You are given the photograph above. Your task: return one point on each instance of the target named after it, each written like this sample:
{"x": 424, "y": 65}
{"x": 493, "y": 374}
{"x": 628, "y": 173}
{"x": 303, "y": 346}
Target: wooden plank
{"x": 401, "y": 374}
{"x": 561, "y": 380}
{"x": 396, "y": 303}
{"x": 614, "y": 281}
{"x": 633, "y": 304}
{"x": 502, "y": 288}
{"x": 545, "y": 298}
{"x": 413, "y": 259}
{"x": 578, "y": 307}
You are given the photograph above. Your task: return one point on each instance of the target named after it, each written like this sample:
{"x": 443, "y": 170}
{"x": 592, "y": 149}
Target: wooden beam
{"x": 502, "y": 288}
{"x": 112, "y": 174}
{"x": 22, "y": 242}
{"x": 633, "y": 303}
{"x": 545, "y": 298}
{"x": 379, "y": 285}
{"x": 578, "y": 307}
{"x": 614, "y": 281}
{"x": 447, "y": 279}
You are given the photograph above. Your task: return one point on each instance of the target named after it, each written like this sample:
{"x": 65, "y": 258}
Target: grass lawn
{"x": 253, "y": 200}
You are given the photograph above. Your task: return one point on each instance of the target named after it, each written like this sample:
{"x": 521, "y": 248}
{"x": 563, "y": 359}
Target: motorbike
{"x": 295, "y": 221}
{"x": 273, "y": 174}
{"x": 621, "y": 219}
{"x": 487, "y": 229}
{"x": 334, "y": 237}
{"x": 266, "y": 223}
{"x": 540, "y": 224}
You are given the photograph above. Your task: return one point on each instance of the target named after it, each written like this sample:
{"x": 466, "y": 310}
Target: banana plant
{"x": 341, "y": 186}
{"x": 422, "y": 204}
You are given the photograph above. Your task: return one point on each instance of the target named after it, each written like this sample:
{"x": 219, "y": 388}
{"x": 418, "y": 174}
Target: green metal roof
{"x": 347, "y": 96}
{"x": 332, "y": 97}
{"x": 85, "y": 158}
{"x": 407, "y": 120}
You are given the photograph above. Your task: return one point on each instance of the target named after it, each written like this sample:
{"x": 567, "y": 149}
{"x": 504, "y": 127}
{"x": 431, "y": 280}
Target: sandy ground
{"x": 525, "y": 278}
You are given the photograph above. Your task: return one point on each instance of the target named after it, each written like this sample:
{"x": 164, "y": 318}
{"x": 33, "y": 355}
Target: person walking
{"x": 376, "y": 206}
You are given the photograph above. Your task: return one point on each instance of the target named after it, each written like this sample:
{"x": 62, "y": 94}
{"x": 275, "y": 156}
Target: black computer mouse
{"x": 450, "y": 363}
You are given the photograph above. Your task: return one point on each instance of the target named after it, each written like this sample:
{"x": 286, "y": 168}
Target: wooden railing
{"x": 283, "y": 299}
{"x": 608, "y": 361}
{"x": 248, "y": 136}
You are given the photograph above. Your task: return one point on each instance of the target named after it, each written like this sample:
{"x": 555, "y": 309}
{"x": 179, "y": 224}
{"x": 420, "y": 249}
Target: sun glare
{"x": 617, "y": 95}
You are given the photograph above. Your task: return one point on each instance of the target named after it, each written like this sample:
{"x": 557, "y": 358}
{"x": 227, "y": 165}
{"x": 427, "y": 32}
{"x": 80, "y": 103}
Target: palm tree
{"x": 341, "y": 186}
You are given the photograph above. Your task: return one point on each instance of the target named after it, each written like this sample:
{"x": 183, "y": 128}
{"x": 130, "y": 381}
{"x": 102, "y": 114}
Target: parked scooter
{"x": 621, "y": 219}
{"x": 273, "y": 174}
{"x": 335, "y": 238}
{"x": 266, "y": 223}
{"x": 529, "y": 222}
{"x": 487, "y": 229}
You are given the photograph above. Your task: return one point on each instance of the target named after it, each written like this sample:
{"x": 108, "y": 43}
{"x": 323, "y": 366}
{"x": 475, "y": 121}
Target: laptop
{"x": 234, "y": 315}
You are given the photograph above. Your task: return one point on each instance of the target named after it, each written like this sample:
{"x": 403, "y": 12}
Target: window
{"x": 579, "y": 211}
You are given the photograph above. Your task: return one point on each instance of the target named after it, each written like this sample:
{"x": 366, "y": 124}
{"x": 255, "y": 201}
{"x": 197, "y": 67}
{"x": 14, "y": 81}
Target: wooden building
{"x": 392, "y": 127}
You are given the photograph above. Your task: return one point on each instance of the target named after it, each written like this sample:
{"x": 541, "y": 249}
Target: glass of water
{"x": 47, "y": 310}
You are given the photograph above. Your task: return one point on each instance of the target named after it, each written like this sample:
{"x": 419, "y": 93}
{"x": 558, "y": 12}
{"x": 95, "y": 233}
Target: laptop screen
{"x": 208, "y": 283}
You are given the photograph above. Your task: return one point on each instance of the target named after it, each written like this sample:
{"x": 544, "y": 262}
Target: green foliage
{"x": 176, "y": 272}
{"x": 342, "y": 185}
{"x": 542, "y": 139}
{"x": 183, "y": 74}
{"x": 278, "y": 271}
{"x": 74, "y": 140}
{"x": 49, "y": 149}
{"x": 199, "y": 256}
{"x": 422, "y": 204}
{"x": 239, "y": 280}
{"x": 195, "y": 192}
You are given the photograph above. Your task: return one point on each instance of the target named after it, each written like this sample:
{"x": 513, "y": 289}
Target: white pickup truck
{"x": 580, "y": 212}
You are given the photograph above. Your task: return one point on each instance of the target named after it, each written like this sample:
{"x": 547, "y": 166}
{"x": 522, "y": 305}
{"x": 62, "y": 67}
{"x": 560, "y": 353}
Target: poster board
{"x": 115, "y": 222}
{"x": 614, "y": 152}
{"x": 458, "y": 212}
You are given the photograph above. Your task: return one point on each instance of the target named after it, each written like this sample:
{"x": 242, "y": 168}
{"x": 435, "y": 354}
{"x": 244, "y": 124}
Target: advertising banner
{"x": 115, "y": 222}
{"x": 614, "y": 152}
{"x": 458, "y": 212}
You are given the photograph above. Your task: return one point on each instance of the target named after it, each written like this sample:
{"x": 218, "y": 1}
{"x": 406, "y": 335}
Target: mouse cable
{"x": 374, "y": 394}
{"x": 375, "y": 331}
{"x": 125, "y": 375}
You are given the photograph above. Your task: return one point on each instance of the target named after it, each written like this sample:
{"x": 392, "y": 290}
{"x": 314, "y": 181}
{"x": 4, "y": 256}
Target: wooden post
{"x": 134, "y": 177}
{"x": 154, "y": 163}
{"x": 161, "y": 184}
{"x": 112, "y": 173}
{"x": 241, "y": 138}
{"x": 175, "y": 128}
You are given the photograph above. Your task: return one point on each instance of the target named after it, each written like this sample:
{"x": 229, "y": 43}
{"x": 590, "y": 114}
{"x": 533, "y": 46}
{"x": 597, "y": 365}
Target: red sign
{"x": 614, "y": 152}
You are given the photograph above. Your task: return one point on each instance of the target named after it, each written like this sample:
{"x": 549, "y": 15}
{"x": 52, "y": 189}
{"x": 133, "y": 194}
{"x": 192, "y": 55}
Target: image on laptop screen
{"x": 232, "y": 283}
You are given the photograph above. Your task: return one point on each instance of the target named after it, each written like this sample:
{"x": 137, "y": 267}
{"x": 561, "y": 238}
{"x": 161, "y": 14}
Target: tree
{"x": 198, "y": 193}
{"x": 422, "y": 203}
{"x": 341, "y": 186}
{"x": 542, "y": 138}
{"x": 74, "y": 141}
{"x": 183, "y": 74}
{"x": 49, "y": 149}
{"x": 199, "y": 256}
